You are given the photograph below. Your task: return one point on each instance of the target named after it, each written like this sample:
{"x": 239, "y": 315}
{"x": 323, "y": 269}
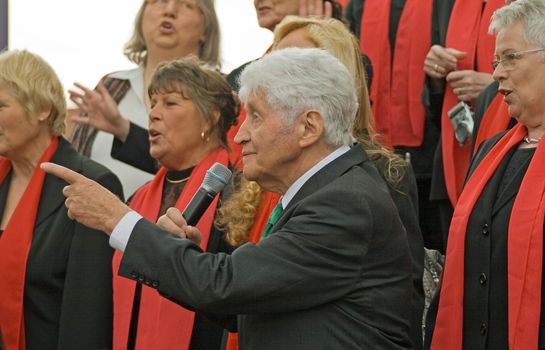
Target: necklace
{"x": 531, "y": 140}
{"x": 177, "y": 181}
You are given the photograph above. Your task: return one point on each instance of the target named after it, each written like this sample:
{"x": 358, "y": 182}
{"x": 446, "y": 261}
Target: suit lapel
{"x": 354, "y": 157}
{"x": 52, "y": 197}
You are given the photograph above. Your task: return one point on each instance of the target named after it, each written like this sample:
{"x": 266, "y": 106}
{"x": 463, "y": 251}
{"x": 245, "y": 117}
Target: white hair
{"x": 531, "y": 13}
{"x": 295, "y": 80}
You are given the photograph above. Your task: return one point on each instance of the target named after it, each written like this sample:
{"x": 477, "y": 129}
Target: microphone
{"x": 216, "y": 178}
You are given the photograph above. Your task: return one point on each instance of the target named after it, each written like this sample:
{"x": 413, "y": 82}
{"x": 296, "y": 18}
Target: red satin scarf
{"x": 396, "y": 89}
{"x": 162, "y": 324}
{"x": 268, "y": 202}
{"x": 468, "y": 32}
{"x": 524, "y": 252}
{"x": 495, "y": 120}
{"x": 14, "y": 248}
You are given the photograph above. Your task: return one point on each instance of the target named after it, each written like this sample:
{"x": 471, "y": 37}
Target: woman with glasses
{"x": 117, "y": 110}
{"x": 491, "y": 295}
{"x": 491, "y": 116}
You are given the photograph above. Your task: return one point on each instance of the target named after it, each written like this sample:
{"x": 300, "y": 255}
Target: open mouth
{"x": 505, "y": 92}
{"x": 153, "y": 135}
{"x": 166, "y": 27}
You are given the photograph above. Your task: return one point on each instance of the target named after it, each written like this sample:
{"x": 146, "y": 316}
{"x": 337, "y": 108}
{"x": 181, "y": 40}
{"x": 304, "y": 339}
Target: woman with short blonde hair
{"x": 57, "y": 276}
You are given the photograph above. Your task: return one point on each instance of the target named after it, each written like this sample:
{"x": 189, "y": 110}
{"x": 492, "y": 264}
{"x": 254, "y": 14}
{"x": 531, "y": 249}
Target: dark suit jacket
{"x": 68, "y": 291}
{"x": 334, "y": 273}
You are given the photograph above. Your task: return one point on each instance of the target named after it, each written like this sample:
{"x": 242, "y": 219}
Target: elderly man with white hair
{"x": 334, "y": 270}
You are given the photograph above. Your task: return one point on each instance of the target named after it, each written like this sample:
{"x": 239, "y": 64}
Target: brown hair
{"x": 206, "y": 88}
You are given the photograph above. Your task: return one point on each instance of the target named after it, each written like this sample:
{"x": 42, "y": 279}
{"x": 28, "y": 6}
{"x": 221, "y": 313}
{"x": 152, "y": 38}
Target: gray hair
{"x": 531, "y": 13}
{"x": 295, "y": 80}
{"x": 209, "y": 50}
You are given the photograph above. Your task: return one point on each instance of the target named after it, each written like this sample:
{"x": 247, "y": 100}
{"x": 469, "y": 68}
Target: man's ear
{"x": 310, "y": 127}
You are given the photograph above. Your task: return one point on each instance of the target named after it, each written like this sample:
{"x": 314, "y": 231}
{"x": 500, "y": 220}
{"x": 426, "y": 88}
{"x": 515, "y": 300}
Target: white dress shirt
{"x": 133, "y": 108}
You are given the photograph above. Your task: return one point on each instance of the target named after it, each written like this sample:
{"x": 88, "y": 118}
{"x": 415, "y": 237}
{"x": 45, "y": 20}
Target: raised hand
{"x": 99, "y": 110}
{"x": 315, "y": 8}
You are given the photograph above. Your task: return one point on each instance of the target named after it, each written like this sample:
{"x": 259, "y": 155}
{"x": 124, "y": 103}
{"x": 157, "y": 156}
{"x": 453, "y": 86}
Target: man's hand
{"x": 174, "y": 222}
{"x": 468, "y": 84}
{"x": 88, "y": 203}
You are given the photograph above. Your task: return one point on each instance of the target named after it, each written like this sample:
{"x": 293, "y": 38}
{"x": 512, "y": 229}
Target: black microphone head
{"x": 216, "y": 178}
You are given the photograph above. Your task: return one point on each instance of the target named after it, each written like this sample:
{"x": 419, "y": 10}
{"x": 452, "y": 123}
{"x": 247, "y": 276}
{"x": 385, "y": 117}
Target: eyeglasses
{"x": 181, "y": 4}
{"x": 509, "y": 60}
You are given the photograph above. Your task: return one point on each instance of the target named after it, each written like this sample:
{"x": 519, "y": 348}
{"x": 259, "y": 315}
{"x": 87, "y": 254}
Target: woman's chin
{"x": 514, "y": 112}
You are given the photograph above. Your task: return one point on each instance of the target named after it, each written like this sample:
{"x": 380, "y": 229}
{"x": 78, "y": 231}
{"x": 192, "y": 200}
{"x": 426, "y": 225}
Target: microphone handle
{"x": 197, "y": 206}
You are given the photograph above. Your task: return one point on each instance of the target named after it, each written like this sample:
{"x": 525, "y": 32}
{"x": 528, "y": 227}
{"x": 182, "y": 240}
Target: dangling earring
{"x": 204, "y": 137}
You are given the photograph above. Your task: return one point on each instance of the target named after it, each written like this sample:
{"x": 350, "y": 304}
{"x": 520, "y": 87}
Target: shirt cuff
{"x": 123, "y": 230}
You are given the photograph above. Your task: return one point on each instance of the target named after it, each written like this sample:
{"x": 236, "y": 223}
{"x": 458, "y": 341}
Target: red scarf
{"x": 524, "y": 252}
{"x": 162, "y": 324}
{"x": 14, "y": 248}
{"x": 268, "y": 202}
{"x": 468, "y": 32}
{"x": 397, "y": 87}
{"x": 495, "y": 120}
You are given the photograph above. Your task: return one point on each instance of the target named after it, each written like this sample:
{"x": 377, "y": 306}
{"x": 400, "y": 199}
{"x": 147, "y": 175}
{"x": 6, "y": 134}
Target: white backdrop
{"x": 83, "y": 40}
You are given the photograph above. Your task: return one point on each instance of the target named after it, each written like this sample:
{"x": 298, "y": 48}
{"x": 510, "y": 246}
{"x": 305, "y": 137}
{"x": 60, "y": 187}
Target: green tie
{"x": 273, "y": 218}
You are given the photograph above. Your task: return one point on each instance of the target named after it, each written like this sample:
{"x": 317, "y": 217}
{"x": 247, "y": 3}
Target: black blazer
{"x": 68, "y": 290}
{"x": 485, "y": 311}
{"x": 334, "y": 273}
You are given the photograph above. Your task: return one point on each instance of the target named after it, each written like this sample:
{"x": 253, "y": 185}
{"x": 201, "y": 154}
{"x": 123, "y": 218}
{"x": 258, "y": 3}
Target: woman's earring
{"x": 204, "y": 137}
